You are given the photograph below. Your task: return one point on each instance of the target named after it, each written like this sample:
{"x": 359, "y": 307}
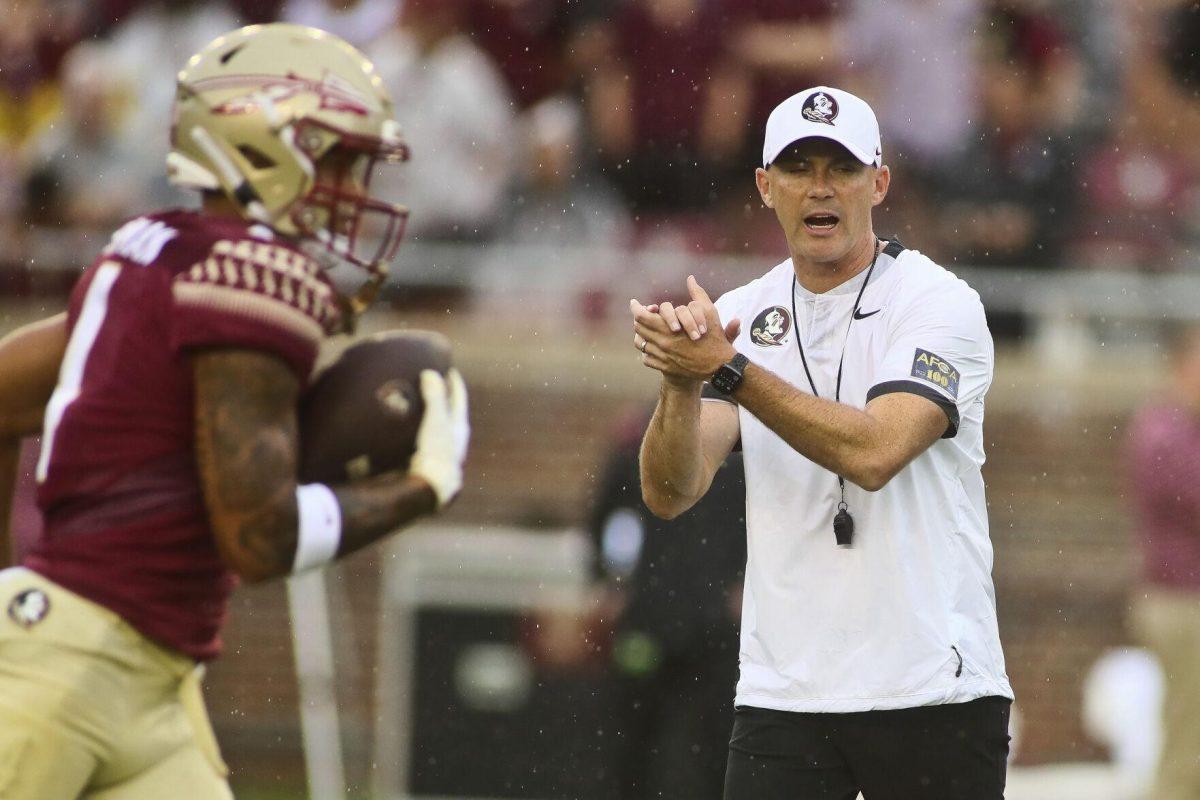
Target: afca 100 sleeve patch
{"x": 936, "y": 370}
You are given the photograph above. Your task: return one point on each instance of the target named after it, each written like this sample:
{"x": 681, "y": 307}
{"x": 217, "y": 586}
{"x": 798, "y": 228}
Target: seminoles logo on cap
{"x": 771, "y": 326}
{"x": 29, "y": 608}
{"x": 820, "y": 107}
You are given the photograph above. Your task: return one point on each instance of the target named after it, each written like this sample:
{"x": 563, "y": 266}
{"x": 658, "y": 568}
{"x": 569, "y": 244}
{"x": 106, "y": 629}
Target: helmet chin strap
{"x": 352, "y": 306}
{"x": 367, "y": 293}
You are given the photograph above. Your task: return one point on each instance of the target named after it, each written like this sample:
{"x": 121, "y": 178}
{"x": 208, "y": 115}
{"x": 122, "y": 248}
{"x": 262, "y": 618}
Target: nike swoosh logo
{"x": 861, "y": 315}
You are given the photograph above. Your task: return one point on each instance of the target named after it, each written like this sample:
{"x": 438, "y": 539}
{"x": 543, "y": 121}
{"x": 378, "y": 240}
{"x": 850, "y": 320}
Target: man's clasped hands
{"x": 686, "y": 343}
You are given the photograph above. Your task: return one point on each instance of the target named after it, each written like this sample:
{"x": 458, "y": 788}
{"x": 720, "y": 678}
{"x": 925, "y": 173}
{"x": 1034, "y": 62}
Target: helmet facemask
{"x": 338, "y": 213}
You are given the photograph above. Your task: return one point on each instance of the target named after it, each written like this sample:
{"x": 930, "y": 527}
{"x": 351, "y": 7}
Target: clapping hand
{"x": 686, "y": 343}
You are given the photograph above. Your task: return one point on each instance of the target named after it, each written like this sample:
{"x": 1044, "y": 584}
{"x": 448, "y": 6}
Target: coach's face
{"x": 823, "y": 197}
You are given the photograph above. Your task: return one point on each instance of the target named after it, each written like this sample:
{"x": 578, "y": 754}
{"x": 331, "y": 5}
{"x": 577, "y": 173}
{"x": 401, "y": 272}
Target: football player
{"x": 166, "y": 397}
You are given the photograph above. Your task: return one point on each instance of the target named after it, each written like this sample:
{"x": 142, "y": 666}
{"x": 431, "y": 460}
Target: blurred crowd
{"x": 1022, "y": 133}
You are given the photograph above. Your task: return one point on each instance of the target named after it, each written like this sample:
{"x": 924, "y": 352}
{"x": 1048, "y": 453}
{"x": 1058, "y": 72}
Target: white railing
{"x": 563, "y": 273}
{"x": 1104, "y": 295}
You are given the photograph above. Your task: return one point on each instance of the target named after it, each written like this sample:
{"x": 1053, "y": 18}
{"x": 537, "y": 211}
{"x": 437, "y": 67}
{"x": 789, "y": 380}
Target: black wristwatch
{"x": 728, "y": 378}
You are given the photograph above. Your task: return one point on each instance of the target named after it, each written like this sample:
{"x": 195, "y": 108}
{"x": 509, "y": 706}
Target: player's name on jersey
{"x": 140, "y": 240}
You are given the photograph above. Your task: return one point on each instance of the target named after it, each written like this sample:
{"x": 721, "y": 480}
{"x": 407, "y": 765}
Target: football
{"x": 360, "y": 416}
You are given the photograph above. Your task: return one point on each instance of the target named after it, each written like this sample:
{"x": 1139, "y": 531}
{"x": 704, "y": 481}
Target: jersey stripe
{"x": 250, "y": 305}
{"x": 70, "y": 375}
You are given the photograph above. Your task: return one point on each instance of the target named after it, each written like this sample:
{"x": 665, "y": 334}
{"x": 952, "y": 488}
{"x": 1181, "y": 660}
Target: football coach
{"x": 852, "y": 376}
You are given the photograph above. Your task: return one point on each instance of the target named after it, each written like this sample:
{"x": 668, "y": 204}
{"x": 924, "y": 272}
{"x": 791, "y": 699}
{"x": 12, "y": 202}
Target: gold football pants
{"x": 90, "y": 708}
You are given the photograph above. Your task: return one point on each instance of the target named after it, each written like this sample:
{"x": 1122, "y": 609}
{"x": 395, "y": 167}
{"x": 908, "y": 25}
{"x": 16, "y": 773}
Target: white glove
{"x": 443, "y": 435}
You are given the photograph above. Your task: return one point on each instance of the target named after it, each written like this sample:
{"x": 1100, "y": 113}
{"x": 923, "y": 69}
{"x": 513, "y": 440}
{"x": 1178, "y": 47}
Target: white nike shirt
{"x": 907, "y": 615}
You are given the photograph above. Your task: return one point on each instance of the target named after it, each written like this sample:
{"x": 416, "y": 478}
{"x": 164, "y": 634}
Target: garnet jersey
{"x": 125, "y": 521}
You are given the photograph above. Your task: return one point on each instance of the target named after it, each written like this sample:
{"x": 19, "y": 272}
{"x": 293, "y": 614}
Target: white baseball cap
{"x": 830, "y": 114}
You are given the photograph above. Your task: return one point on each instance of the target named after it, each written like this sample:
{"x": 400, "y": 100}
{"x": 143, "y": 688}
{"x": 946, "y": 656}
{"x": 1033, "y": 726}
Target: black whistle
{"x": 843, "y": 527}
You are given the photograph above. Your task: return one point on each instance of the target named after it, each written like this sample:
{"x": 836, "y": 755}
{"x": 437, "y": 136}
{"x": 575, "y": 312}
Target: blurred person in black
{"x": 678, "y": 586}
{"x": 1008, "y": 201}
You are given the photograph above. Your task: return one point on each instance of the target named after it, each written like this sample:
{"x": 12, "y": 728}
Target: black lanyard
{"x": 843, "y": 523}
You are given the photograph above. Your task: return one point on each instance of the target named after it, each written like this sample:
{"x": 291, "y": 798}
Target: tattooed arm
{"x": 247, "y": 447}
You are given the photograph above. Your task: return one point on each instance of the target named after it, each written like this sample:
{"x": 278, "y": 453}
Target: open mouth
{"x": 821, "y": 222}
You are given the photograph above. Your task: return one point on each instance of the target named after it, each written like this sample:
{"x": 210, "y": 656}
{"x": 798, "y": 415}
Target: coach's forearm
{"x": 672, "y": 462}
{"x": 839, "y": 437}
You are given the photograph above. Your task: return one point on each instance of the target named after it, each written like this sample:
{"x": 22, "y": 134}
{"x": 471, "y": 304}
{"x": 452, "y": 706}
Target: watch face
{"x": 729, "y": 376}
{"x": 725, "y": 380}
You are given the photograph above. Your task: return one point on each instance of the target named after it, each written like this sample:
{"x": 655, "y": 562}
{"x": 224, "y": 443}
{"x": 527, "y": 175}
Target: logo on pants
{"x": 29, "y": 608}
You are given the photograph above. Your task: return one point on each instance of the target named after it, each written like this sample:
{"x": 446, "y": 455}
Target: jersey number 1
{"x": 70, "y": 374}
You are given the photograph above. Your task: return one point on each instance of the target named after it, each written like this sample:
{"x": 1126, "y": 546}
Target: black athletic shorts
{"x": 945, "y": 752}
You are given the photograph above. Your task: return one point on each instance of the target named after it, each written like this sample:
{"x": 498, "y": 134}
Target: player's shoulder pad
{"x": 242, "y": 270}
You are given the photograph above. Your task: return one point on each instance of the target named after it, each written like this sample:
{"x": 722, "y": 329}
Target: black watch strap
{"x": 729, "y": 376}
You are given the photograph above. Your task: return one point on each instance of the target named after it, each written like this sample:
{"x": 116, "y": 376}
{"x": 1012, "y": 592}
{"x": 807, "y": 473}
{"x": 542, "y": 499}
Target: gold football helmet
{"x": 255, "y": 113}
